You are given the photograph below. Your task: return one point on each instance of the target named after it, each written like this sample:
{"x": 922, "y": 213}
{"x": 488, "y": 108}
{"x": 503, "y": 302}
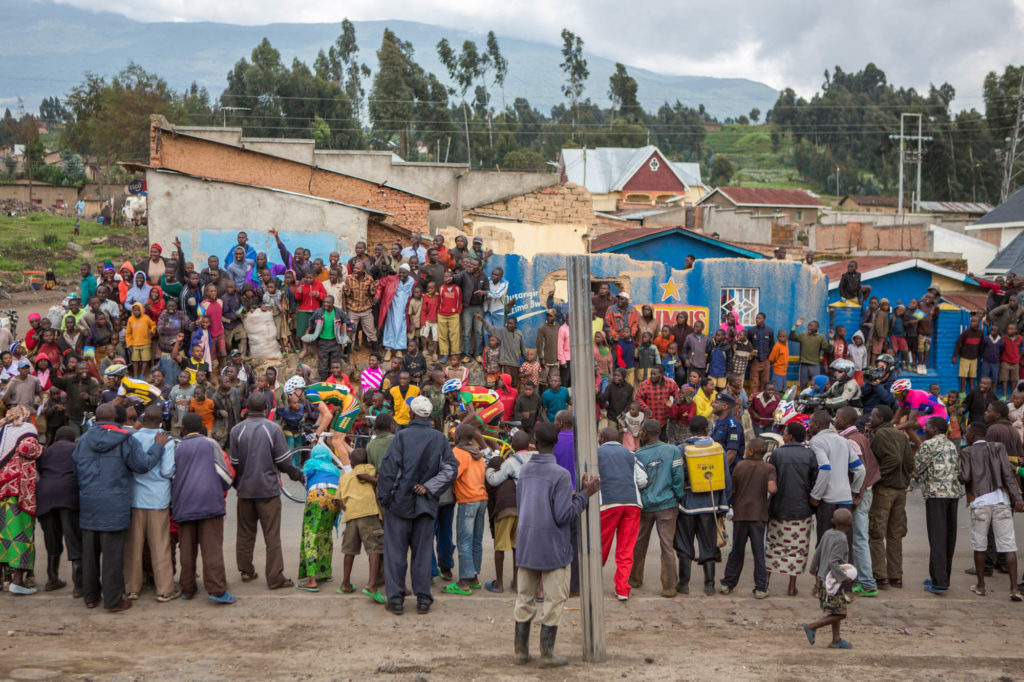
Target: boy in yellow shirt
{"x": 357, "y": 492}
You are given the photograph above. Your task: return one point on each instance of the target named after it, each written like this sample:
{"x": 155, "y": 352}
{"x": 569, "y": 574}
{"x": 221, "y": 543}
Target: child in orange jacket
{"x": 139, "y": 332}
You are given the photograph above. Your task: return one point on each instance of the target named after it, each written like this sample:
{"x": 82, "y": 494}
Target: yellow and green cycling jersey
{"x": 346, "y": 406}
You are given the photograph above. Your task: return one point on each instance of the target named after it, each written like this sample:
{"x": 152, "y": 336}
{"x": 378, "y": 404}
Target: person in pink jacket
{"x": 563, "y": 352}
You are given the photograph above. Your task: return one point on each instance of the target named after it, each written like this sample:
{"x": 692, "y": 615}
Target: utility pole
{"x": 224, "y": 114}
{"x": 585, "y": 437}
{"x": 1011, "y": 157}
{"x": 918, "y": 156}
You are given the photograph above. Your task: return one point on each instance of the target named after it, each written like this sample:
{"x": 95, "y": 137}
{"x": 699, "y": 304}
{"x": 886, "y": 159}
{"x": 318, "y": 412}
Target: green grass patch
{"x": 40, "y": 242}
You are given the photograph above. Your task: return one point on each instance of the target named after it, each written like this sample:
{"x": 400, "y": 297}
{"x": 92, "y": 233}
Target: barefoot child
{"x": 828, "y": 561}
{"x": 357, "y": 493}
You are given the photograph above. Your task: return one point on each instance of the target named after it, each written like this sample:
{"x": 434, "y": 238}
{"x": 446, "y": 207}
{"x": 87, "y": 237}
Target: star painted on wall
{"x": 669, "y": 290}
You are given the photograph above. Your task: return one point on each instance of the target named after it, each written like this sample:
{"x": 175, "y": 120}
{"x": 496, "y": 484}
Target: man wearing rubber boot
{"x": 547, "y": 505}
{"x": 699, "y": 509}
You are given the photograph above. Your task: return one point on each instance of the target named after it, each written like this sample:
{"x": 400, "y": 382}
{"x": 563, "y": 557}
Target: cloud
{"x": 785, "y": 43}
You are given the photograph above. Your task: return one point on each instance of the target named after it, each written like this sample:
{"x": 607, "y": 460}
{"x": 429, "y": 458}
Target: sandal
{"x": 164, "y": 598}
{"x": 980, "y": 591}
{"x": 474, "y": 586}
{"x": 343, "y": 589}
{"x": 131, "y": 596}
{"x": 226, "y": 598}
{"x": 809, "y": 632}
{"x": 249, "y": 577}
{"x": 841, "y": 644}
{"x": 375, "y": 596}
{"x": 307, "y": 588}
{"x": 455, "y": 589}
{"x": 491, "y": 586}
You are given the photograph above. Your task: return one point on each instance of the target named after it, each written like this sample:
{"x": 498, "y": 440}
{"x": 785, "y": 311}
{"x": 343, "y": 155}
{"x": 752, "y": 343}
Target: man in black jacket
{"x": 105, "y": 459}
{"x": 849, "y": 283}
{"x": 417, "y": 467}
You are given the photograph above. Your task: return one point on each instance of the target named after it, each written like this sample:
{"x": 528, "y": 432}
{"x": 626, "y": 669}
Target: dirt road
{"x": 906, "y": 633}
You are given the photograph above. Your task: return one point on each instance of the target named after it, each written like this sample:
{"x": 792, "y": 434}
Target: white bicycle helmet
{"x": 451, "y": 386}
{"x": 900, "y": 386}
{"x": 116, "y": 370}
{"x": 296, "y": 383}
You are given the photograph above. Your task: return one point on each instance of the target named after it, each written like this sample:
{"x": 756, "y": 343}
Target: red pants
{"x": 624, "y": 522}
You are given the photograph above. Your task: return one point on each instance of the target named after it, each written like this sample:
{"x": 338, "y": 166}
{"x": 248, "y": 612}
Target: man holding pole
{"x": 547, "y": 507}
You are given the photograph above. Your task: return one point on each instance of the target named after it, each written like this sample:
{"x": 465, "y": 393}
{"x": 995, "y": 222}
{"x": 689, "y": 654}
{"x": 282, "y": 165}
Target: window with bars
{"x": 744, "y": 301}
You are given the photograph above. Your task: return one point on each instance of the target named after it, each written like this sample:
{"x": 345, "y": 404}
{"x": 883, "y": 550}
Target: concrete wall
{"x": 296, "y": 150}
{"x": 836, "y": 217}
{"x": 207, "y": 216}
{"x": 976, "y": 252}
{"x": 204, "y": 158}
{"x": 448, "y": 182}
{"x": 787, "y": 290}
{"x": 526, "y": 239}
{"x": 736, "y": 225}
{"x": 42, "y": 195}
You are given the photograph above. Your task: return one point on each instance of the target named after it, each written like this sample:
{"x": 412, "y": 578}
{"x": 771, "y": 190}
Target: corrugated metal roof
{"x": 1010, "y": 211}
{"x": 767, "y": 196}
{"x": 865, "y": 264}
{"x": 1011, "y": 257}
{"x": 617, "y": 237}
{"x": 972, "y": 207}
{"x": 971, "y": 302}
{"x": 603, "y": 170}
{"x": 869, "y": 200}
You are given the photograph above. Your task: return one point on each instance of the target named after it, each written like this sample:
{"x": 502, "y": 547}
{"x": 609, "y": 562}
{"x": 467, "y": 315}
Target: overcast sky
{"x": 779, "y": 42}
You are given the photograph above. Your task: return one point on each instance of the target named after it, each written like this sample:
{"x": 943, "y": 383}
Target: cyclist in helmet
{"x": 338, "y": 408}
{"x": 915, "y": 407}
{"x": 477, "y": 405}
{"x": 133, "y": 392}
{"x": 844, "y": 389}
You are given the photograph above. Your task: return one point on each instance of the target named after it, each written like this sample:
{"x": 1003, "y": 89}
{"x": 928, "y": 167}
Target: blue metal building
{"x": 667, "y": 245}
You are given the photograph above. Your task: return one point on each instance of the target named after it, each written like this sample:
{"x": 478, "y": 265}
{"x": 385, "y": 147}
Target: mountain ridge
{"x": 46, "y": 48}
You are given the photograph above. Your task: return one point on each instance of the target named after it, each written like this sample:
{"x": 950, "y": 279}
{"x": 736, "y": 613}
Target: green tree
{"x": 755, "y": 114}
{"x": 463, "y": 68}
{"x": 721, "y": 171}
{"x": 622, "y": 92}
{"x": 111, "y": 119}
{"x": 401, "y": 95}
{"x": 574, "y": 65}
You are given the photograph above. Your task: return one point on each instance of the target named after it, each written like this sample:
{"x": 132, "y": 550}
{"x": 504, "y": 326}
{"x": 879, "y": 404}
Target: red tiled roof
{"x": 865, "y": 264}
{"x": 766, "y": 196}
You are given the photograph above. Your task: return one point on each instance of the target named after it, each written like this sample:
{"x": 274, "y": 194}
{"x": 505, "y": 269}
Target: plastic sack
{"x": 262, "y": 332}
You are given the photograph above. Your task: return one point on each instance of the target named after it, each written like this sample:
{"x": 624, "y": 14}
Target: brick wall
{"x": 210, "y": 159}
{"x": 568, "y": 203}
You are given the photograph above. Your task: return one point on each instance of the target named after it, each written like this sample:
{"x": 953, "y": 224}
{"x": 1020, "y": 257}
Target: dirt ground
{"x": 906, "y": 633}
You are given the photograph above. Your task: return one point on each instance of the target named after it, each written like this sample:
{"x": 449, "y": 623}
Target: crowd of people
{"x": 426, "y": 418}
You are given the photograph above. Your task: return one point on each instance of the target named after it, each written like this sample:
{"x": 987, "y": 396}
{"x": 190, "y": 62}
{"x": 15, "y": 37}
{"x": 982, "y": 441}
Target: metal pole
{"x": 899, "y": 206}
{"x": 920, "y": 131}
{"x": 583, "y": 399}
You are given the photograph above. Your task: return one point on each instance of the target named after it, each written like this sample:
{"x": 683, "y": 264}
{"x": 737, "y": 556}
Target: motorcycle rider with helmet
{"x": 844, "y": 389}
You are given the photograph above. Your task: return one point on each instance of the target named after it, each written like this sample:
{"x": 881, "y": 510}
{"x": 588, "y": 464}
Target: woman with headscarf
{"x": 19, "y": 448}
{"x": 33, "y": 336}
{"x": 138, "y": 293}
{"x": 127, "y": 273}
{"x": 648, "y": 322}
{"x": 731, "y": 325}
{"x": 319, "y": 518}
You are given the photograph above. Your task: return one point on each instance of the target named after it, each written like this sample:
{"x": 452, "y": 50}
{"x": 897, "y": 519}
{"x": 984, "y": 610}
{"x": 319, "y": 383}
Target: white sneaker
{"x": 621, "y": 597}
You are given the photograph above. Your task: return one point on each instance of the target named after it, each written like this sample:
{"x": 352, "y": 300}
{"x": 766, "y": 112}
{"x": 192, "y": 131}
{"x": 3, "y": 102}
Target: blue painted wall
{"x": 219, "y": 242}
{"x": 788, "y": 290}
{"x": 672, "y": 249}
{"x": 903, "y": 285}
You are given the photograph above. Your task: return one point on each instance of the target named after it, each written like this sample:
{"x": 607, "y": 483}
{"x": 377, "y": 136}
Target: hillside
{"x": 46, "y": 48}
{"x": 749, "y": 148}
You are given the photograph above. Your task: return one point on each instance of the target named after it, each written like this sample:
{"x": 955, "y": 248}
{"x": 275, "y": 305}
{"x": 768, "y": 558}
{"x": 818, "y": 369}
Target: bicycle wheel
{"x": 295, "y": 490}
